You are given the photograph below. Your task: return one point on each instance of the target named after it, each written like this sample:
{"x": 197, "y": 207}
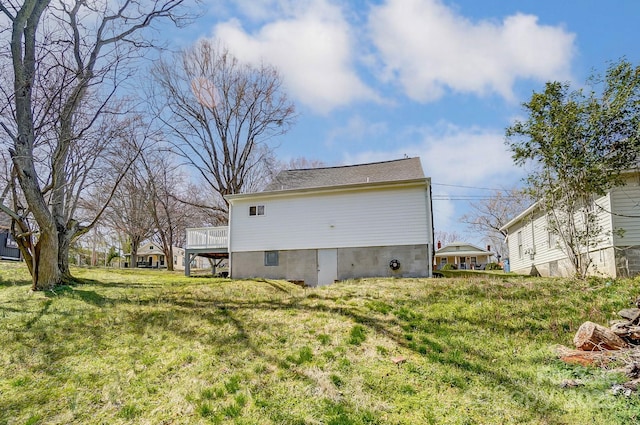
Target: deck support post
{"x": 187, "y": 263}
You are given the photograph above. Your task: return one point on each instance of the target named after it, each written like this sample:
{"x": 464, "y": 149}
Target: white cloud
{"x": 356, "y": 130}
{"x": 430, "y": 48}
{"x": 313, "y": 48}
{"x": 471, "y": 157}
{"x": 453, "y": 155}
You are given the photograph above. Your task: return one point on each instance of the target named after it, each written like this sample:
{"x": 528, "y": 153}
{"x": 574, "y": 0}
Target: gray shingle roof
{"x": 377, "y": 172}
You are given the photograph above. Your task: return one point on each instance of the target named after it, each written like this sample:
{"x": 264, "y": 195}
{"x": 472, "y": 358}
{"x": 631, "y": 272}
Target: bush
{"x": 493, "y": 266}
{"x": 448, "y": 266}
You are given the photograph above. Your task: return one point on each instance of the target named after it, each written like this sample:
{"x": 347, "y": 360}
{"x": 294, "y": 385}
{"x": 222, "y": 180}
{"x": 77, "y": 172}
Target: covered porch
{"x": 463, "y": 256}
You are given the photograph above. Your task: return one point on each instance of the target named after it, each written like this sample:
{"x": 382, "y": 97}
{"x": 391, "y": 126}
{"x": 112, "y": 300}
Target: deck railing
{"x": 208, "y": 237}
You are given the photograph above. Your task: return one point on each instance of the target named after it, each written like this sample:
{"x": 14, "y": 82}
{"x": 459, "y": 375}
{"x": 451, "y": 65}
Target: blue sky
{"x": 438, "y": 79}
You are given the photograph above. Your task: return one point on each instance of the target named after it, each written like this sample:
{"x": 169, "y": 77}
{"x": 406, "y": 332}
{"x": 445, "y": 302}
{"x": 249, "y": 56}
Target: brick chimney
{"x": 489, "y": 248}
{"x": 439, "y": 245}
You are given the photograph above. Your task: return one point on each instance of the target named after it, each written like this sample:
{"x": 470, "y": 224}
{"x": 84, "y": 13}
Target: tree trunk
{"x": 594, "y": 337}
{"x": 64, "y": 243}
{"x": 134, "y": 253}
{"x": 44, "y": 267}
{"x": 46, "y": 273}
{"x": 169, "y": 256}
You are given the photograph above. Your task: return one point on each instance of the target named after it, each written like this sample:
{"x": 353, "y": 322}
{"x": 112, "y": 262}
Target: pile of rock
{"x": 623, "y": 333}
{"x": 599, "y": 346}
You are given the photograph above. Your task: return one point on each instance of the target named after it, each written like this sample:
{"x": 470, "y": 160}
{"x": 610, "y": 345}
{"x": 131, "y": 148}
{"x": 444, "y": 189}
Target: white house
{"x": 463, "y": 256}
{"x": 325, "y": 224}
{"x": 151, "y": 255}
{"x": 535, "y": 250}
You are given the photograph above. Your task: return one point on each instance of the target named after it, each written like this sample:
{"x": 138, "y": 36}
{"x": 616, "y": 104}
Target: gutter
{"x": 328, "y": 189}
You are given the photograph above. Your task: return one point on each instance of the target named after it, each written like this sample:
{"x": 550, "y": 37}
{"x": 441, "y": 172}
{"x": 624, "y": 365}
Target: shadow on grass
{"x": 465, "y": 359}
{"x": 436, "y": 339}
{"x": 71, "y": 291}
{"x": 275, "y": 285}
{"x": 18, "y": 282}
{"x": 39, "y": 315}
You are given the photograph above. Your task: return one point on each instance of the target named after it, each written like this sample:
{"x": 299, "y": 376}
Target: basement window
{"x": 270, "y": 258}
{"x": 256, "y": 210}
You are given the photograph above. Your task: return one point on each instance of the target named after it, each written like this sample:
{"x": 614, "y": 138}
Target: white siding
{"x": 355, "y": 218}
{"x": 535, "y": 239}
{"x": 535, "y": 244}
{"x": 626, "y": 202}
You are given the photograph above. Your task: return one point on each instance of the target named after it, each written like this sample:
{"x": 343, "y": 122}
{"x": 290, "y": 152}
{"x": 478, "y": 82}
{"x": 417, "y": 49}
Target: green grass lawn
{"x": 152, "y": 347}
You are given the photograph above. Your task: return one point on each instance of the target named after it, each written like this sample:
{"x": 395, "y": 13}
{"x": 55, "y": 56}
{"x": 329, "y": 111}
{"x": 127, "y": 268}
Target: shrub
{"x": 448, "y": 266}
{"x": 493, "y": 266}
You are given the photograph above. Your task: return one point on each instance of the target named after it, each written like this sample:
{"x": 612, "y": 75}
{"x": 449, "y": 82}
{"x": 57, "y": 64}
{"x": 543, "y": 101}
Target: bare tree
{"x": 170, "y": 216}
{"x": 129, "y": 212}
{"x": 223, "y": 114}
{"x": 303, "y": 163}
{"x": 446, "y": 238}
{"x": 66, "y": 73}
{"x": 487, "y": 216}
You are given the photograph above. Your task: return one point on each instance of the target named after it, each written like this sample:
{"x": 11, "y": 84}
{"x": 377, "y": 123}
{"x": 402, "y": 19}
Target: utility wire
{"x": 617, "y": 214}
{"x": 468, "y": 187}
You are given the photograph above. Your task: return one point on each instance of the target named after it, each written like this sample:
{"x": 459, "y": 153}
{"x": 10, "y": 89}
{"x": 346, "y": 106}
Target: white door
{"x": 327, "y": 266}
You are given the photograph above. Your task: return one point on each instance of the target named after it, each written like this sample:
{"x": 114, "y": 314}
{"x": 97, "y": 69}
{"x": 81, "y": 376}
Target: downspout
{"x": 229, "y": 247}
{"x": 432, "y": 250}
{"x": 533, "y": 240}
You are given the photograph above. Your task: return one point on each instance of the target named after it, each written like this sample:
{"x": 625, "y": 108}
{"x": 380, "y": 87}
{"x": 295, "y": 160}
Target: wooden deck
{"x": 210, "y": 242}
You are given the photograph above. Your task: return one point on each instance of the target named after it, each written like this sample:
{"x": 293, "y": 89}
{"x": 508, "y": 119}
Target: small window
{"x": 256, "y": 210}
{"x": 175, "y": 259}
{"x": 150, "y": 247}
{"x": 271, "y": 258}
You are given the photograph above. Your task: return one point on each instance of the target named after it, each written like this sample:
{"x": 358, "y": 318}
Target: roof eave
{"x": 289, "y": 192}
{"x": 520, "y": 216}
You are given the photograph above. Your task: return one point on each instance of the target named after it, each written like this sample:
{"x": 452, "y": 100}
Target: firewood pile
{"x": 618, "y": 344}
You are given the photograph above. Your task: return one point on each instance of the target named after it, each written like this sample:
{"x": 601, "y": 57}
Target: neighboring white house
{"x": 151, "y": 255}
{"x": 325, "y": 224}
{"x": 179, "y": 260}
{"x": 535, "y": 250}
{"x": 463, "y": 256}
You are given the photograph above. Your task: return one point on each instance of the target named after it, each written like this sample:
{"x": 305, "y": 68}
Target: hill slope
{"x": 155, "y": 347}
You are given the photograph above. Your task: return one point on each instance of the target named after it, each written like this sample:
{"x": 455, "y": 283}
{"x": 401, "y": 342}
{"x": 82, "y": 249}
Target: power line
{"x": 468, "y": 187}
{"x": 467, "y": 198}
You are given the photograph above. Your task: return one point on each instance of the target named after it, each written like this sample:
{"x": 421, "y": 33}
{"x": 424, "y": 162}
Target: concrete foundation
{"x": 628, "y": 261}
{"x": 352, "y": 263}
{"x": 604, "y": 262}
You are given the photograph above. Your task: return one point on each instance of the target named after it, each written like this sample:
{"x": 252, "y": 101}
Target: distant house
{"x": 321, "y": 225}
{"x": 463, "y": 256}
{"x": 533, "y": 249}
{"x": 179, "y": 259}
{"x": 8, "y": 246}
{"x": 151, "y": 255}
